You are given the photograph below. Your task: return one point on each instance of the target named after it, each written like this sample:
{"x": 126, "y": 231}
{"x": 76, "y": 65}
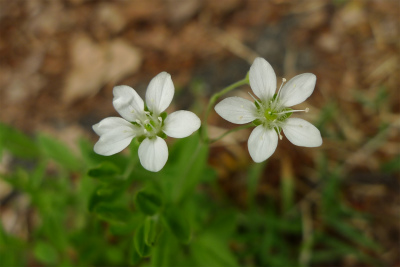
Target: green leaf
{"x": 112, "y": 213}
{"x": 186, "y": 168}
{"x": 45, "y": 253}
{"x": 36, "y": 179}
{"x": 152, "y": 230}
{"x": 105, "y": 193}
{"x": 139, "y": 239}
{"x": 59, "y": 152}
{"x": 224, "y": 224}
{"x": 164, "y": 254}
{"x": 111, "y": 189}
{"x": 341, "y": 248}
{"x": 134, "y": 257}
{"x": 354, "y": 234}
{"x": 178, "y": 224}
{"x": 19, "y": 179}
{"x": 147, "y": 202}
{"x": 391, "y": 166}
{"x": 135, "y": 220}
{"x": 105, "y": 172}
{"x": 17, "y": 142}
{"x": 208, "y": 250}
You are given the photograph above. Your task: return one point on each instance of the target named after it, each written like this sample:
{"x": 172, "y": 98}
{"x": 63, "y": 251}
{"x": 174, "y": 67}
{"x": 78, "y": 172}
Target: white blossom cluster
{"x": 150, "y": 124}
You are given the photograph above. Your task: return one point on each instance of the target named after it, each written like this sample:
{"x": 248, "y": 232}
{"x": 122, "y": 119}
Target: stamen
{"x": 279, "y": 91}
{"x": 160, "y": 119}
{"x": 255, "y": 99}
{"x": 139, "y": 122}
{"x": 277, "y": 95}
{"x": 279, "y": 133}
{"x": 290, "y": 111}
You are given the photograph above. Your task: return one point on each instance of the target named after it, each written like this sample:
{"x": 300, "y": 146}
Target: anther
{"x": 160, "y": 119}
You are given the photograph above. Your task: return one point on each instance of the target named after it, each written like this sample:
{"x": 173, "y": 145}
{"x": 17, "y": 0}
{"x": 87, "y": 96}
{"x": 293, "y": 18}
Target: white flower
{"x": 271, "y": 113}
{"x": 149, "y": 124}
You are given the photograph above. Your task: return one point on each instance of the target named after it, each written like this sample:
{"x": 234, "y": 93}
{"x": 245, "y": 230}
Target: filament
{"x": 279, "y": 91}
{"x": 255, "y": 99}
{"x": 291, "y": 111}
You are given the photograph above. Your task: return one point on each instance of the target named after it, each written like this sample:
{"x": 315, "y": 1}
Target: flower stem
{"x": 214, "y": 99}
{"x": 231, "y": 131}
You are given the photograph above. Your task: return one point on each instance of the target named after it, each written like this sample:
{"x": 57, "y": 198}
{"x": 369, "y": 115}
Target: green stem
{"x": 231, "y": 131}
{"x": 214, "y": 99}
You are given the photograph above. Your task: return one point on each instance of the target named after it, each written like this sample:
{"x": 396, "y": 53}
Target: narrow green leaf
{"x": 105, "y": 194}
{"x": 105, "y": 172}
{"x": 152, "y": 230}
{"x": 354, "y": 234}
{"x": 165, "y": 253}
{"x": 59, "y": 152}
{"x": 110, "y": 190}
{"x": 186, "y": 168}
{"x": 147, "y": 202}
{"x": 45, "y": 253}
{"x": 37, "y": 176}
{"x": 391, "y": 166}
{"x": 208, "y": 250}
{"x": 178, "y": 224}
{"x": 139, "y": 239}
{"x": 112, "y": 213}
{"x": 17, "y": 142}
{"x": 134, "y": 257}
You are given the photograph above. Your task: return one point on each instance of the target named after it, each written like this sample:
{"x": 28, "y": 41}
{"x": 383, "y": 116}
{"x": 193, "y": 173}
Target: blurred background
{"x": 60, "y": 59}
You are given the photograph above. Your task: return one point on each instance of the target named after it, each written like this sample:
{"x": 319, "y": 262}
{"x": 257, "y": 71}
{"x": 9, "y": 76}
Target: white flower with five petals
{"x": 270, "y": 112}
{"x": 149, "y": 124}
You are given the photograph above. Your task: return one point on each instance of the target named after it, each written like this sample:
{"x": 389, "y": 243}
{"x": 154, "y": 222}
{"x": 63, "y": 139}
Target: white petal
{"x": 111, "y": 123}
{"x": 298, "y": 89}
{"x": 262, "y": 143}
{"x": 236, "y": 110}
{"x": 181, "y": 124}
{"x": 115, "y": 135}
{"x": 159, "y": 93}
{"x": 128, "y": 103}
{"x": 302, "y": 133}
{"x": 262, "y": 79}
{"x": 153, "y": 154}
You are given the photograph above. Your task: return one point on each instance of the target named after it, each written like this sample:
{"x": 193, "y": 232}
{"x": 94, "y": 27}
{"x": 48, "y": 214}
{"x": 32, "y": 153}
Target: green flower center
{"x": 270, "y": 114}
{"x": 151, "y": 125}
